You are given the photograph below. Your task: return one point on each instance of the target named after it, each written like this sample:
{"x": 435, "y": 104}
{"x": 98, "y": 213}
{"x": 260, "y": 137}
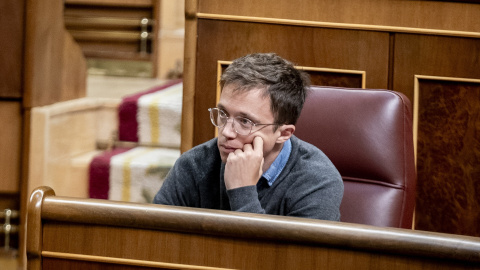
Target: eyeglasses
{"x": 219, "y": 119}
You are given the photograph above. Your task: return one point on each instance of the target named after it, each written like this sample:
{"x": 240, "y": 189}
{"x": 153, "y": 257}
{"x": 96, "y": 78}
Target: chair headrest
{"x": 366, "y": 133}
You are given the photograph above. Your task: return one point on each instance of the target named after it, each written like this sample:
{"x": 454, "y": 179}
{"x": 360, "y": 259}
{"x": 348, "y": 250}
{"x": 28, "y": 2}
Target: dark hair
{"x": 286, "y": 85}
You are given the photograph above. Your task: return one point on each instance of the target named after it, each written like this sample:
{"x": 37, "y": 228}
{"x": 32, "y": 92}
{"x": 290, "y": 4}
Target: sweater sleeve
{"x": 245, "y": 199}
{"x": 178, "y": 187}
{"x": 316, "y": 195}
{"x": 194, "y": 179}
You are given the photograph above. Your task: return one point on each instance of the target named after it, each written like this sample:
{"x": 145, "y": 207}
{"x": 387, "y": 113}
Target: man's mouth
{"x": 228, "y": 149}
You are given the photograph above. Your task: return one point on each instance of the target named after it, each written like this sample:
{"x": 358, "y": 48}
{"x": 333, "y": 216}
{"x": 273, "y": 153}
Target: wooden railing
{"x": 69, "y": 232}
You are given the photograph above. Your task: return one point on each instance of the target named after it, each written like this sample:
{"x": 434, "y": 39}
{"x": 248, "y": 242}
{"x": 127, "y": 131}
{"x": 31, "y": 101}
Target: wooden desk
{"x": 69, "y": 233}
{"x": 427, "y": 50}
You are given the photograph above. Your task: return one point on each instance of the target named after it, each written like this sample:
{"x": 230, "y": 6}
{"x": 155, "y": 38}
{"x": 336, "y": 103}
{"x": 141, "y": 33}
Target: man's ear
{"x": 286, "y": 131}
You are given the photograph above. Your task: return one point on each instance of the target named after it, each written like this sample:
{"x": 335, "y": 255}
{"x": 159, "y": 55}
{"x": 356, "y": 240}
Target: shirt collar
{"x": 279, "y": 163}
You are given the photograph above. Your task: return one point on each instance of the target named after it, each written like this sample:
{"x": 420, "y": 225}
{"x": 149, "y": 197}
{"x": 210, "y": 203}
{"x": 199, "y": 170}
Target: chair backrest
{"x": 368, "y": 135}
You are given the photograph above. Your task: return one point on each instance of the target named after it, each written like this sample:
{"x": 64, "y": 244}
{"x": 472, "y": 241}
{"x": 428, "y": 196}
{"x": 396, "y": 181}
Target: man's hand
{"x": 244, "y": 166}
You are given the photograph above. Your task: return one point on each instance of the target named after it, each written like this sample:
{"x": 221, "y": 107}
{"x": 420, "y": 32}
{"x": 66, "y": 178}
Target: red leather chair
{"x": 368, "y": 136}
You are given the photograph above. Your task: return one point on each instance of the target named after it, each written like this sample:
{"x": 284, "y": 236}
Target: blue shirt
{"x": 278, "y": 164}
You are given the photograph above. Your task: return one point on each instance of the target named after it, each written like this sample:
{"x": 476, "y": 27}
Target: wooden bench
{"x": 69, "y": 233}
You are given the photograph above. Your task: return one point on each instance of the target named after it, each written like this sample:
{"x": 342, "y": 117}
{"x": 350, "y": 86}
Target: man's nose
{"x": 229, "y": 129}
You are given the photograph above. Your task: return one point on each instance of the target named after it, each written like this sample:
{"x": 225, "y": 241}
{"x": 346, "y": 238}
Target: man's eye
{"x": 222, "y": 114}
{"x": 244, "y": 121}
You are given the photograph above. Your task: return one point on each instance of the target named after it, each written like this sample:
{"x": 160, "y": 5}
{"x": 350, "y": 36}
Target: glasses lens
{"x": 243, "y": 125}
{"x": 217, "y": 117}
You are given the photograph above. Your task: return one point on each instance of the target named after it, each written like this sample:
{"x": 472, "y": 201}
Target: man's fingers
{"x": 258, "y": 144}
{"x": 247, "y": 147}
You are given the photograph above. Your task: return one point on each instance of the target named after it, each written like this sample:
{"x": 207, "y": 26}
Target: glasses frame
{"x": 235, "y": 119}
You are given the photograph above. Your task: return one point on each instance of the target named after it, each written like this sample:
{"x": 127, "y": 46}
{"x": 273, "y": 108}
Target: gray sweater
{"x": 309, "y": 185}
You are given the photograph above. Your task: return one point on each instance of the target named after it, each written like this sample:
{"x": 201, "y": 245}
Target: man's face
{"x": 254, "y": 106}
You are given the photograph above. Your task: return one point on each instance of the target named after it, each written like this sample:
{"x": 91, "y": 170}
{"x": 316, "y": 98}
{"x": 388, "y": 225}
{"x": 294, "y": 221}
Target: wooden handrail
{"x": 98, "y": 22}
{"x": 12, "y": 214}
{"x": 125, "y": 3}
{"x": 108, "y": 35}
{"x": 253, "y": 226}
{"x": 34, "y": 226}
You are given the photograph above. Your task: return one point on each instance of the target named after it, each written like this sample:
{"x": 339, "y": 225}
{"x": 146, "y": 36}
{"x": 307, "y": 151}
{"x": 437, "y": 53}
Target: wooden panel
{"x": 49, "y": 55}
{"x": 318, "y": 76}
{"x": 11, "y": 42}
{"x": 401, "y": 14}
{"x": 10, "y": 161}
{"x": 189, "y": 71}
{"x": 9, "y": 201}
{"x": 114, "y": 29}
{"x": 10, "y": 143}
{"x": 168, "y": 237}
{"x": 336, "y": 79}
{"x": 434, "y": 56}
{"x": 435, "y": 38}
{"x": 190, "y": 250}
{"x": 442, "y": 104}
{"x": 74, "y": 81}
{"x": 54, "y": 263}
{"x": 448, "y": 156}
{"x": 43, "y": 57}
{"x": 304, "y": 46}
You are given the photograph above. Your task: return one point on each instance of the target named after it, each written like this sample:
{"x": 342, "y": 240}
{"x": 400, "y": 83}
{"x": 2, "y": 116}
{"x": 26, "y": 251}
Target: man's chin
{"x": 223, "y": 156}
{"x": 223, "y": 153}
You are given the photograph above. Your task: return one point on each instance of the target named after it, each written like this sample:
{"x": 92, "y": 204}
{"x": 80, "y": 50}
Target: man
{"x": 256, "y": 165}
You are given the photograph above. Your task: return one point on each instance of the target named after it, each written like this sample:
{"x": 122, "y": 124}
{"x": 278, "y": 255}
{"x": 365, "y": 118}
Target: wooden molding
{"x": 189, "y": 67}
{"x": 122, "y": 261}
{"x": 365, "y": 27}
{"x": 416, "y": 93}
